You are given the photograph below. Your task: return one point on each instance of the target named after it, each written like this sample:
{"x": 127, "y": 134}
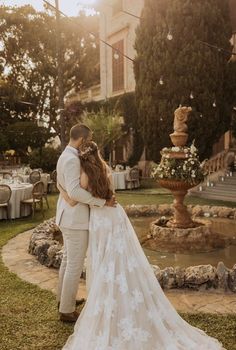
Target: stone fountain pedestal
{"x": 181, "y": 233}
{"x": 179, "y": 189}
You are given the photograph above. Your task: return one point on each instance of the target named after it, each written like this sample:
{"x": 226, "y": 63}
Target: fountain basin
{"x": 200, "y": 238}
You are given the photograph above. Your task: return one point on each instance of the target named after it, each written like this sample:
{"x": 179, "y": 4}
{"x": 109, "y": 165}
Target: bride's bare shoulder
{"x": 84, "y": 180}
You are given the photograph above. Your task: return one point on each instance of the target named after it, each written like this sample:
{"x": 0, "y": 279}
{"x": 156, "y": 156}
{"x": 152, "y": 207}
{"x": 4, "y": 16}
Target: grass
{"x": 28, "y": 315}
{"x": 128, "y": 198}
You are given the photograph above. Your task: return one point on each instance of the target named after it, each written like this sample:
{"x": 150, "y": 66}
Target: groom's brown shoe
{"x": 77, "y": 303}
{"x": 71, "y": 317}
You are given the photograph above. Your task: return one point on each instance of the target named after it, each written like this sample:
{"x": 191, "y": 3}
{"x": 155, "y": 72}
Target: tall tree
{"x": 174, "y": 67}
{"x": 28, "y": 60}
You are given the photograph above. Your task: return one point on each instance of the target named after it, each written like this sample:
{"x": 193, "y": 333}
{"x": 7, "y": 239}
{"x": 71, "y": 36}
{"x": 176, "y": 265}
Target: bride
{"x": 126, "y": 308}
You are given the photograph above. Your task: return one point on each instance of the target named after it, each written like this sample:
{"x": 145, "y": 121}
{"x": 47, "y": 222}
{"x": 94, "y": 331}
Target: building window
{"x": 117, "y": 7}
{"x": 118, "y": 66}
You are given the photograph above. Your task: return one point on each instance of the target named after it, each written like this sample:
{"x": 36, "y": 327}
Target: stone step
{"x": 220, "y": 194}
{"x": 220, "y": 189}
{"x": 220, "y": 197}
{"x": 226, "y": 184}
{"x": 228, "y": 181}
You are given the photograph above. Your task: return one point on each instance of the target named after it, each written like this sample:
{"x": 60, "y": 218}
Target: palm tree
{"x": 106, "y": 127}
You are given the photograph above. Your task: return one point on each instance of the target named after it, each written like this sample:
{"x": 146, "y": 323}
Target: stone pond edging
{"x": 46, "y": 245}
{"x": 167, "y": 210}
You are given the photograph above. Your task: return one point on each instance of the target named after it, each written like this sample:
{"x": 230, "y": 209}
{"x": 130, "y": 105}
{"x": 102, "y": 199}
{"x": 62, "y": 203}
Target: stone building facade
{"x": 118, "y": 22}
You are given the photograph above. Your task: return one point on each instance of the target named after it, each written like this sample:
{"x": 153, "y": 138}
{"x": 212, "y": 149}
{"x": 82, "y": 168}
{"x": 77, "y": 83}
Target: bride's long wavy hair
{"x": 96, "y": 169}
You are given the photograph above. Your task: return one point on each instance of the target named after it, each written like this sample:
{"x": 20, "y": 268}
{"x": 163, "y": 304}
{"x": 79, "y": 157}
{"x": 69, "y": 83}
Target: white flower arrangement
{"x": 188, "y": 169}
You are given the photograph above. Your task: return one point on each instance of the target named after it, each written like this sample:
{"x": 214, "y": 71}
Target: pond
{"x": 163, "y": 259}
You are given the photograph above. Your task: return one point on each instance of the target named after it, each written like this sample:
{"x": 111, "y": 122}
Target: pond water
{"x": 226, "y": 227}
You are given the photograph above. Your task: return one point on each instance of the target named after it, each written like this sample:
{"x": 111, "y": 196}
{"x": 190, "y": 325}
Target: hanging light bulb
{"x": 191, "y": 96}
{"x": 201, "y": 116}
{"x": 169, "y": 36}
{"x": 214, "y": 104}
{"x": 234, "y": 108}
{"x": 94, "y": 45}
{"x": 116, "y": 55}
{"x": 161, "y": 119}
{"x": 161, "y": 82}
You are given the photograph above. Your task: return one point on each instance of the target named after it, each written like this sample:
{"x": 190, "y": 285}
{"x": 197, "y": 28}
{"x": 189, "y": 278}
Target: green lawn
{"x": 28, "y": 315}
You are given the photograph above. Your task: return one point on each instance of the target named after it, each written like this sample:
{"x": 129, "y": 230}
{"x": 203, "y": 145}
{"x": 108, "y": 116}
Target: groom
{"x": 73, "y": 221}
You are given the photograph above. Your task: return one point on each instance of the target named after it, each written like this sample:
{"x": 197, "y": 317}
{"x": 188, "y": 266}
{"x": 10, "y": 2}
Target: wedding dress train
{"x": 126, "y": 308}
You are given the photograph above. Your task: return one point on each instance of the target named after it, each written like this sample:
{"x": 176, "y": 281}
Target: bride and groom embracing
{"x": 126, "y": 308}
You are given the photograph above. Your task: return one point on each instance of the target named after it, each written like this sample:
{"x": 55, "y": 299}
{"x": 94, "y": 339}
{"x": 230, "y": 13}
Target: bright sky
{"x": 69, "y": 7}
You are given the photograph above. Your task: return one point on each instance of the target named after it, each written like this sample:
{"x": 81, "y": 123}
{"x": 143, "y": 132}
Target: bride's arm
{"x": 64, "y": 194}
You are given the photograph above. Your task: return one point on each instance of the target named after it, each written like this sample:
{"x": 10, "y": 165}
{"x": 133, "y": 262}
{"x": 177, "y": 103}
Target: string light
{"x": 93, "y": 34}
{"x": 161, "y": 82}
{"x": 116, "y": 56}
{"x": 169, "y": 36}
{"x": 82, "y": 42}
{"x": 118, "y": 52}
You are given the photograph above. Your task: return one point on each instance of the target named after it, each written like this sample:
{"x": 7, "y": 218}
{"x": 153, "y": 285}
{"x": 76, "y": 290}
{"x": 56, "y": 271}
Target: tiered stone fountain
{"x": 181, "y": 232}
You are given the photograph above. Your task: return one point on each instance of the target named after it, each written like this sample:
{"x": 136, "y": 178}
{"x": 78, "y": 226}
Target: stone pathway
{"x": 17, "y": 259}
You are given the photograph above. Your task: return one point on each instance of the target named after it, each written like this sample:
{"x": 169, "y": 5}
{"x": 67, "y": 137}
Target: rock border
{"x": 46, "y": 245}
{"x": 195, "y": 210}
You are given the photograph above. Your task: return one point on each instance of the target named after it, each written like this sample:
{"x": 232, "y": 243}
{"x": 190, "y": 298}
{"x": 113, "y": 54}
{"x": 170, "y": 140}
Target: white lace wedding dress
{"x": 126, "y": 308}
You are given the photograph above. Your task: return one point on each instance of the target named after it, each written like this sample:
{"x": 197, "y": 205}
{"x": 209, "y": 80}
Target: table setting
{"x": 24, "y": 173}
{"x": 19, "y": 192}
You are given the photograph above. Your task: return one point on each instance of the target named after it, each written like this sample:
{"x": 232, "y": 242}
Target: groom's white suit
{"x": 74, "y": 224}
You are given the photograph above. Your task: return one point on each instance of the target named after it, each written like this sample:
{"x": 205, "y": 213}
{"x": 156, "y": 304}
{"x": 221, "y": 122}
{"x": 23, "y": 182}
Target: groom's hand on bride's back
{"x": 111, "y": 202}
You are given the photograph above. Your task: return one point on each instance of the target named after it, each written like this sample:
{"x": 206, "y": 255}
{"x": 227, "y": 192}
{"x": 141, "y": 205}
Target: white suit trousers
{"x": 74, "y": 252}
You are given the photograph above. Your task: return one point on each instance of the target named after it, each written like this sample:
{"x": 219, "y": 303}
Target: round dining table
{"x": 45, "y": 178}
{"x": 16, "y": 209}
{"x": 119, "y": 179}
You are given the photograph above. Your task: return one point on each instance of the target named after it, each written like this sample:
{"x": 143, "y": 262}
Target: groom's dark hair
{"x": 79, "y": 130}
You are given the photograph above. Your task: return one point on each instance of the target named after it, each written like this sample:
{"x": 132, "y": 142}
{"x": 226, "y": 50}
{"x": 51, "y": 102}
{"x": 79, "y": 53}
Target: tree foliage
{"x": 22, "y": 135}
{"x": 46, "y": 158}
{"x": 182, "y": 70}
{"x": 124, "y": 105}
{"x": 106, "y": 127}
{"x": 28, "y": 62}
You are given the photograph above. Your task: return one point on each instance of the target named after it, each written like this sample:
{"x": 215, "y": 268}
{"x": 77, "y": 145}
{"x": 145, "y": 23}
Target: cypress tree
{"x": 173, "y": 67}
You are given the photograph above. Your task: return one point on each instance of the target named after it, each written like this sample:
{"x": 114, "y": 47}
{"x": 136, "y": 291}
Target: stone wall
{"x": 167, "y": 210}
{"x": 46, "y": 244}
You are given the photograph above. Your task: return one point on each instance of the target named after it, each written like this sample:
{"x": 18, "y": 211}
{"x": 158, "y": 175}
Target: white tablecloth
{"x": 19, "y": 193}
{"x": 119, "y": 179}
{"x": 45, "y": 178}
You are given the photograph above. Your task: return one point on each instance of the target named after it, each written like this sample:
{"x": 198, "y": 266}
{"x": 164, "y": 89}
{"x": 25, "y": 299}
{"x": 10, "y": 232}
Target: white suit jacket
{"x": 68, "y": 176}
